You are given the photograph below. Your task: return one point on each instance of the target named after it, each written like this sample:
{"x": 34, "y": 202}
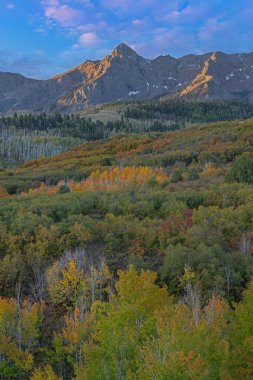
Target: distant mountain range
{"x": 125, "y": 76}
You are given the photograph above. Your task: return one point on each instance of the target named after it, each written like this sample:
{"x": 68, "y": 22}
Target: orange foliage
{"x": 110, "y": 179}
{"x": 208, "y": 170}
{"x": 115, "y": 178}
{"x": 194, "y": 364}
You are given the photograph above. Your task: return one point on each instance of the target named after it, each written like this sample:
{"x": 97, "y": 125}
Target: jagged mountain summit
{"x": 126, "y": 76}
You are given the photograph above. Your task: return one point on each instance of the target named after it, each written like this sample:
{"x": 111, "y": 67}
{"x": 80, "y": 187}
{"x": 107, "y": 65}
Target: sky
{"x": 41, "y": 38}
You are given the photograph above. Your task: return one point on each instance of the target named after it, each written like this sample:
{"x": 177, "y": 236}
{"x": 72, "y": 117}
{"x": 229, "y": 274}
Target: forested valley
{"x": 129, "y": 255}
{"x": 28, "y": 137}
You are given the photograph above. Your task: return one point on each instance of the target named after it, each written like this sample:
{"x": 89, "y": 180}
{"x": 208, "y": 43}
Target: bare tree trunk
{"x": 92, "y": 283}
{"x": 245, "y": 244}
{"x": 192, "y": 299}
{"x": 101, "y": 270}
{"x": 38, "y": 287}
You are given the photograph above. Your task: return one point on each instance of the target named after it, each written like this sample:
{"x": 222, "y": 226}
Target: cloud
{"x": 72, "y": 31}
{"x": 40, "y": 30}
{"x": 88, "y": 39}
{"x": 138, "y": 22}
{"x": 62, "y": 13}
{"x": 10, "y": 6}
{"x": 75, "y": 46}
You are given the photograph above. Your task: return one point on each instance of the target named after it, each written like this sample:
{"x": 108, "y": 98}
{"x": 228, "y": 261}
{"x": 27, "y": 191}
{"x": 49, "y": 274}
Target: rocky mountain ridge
{"x": 126, "y": 76}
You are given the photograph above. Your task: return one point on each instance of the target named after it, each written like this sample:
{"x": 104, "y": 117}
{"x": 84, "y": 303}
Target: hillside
{"x": 30, "y": 136}
{"x": 125, "y": 76}
{"x": 216, "y": 143}
{"x": 126, "y": 190}
{"x": 133, "y": 241}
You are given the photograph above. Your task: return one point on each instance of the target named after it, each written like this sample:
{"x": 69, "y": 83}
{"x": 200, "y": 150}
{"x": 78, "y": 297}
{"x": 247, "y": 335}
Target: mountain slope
{"x": 223, "y": 76}
{"x": 125, "y": 76}
{"x": 218, "y": 143}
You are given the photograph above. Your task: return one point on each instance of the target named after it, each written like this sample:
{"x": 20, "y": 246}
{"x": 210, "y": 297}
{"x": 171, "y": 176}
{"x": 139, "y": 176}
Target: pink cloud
{"x": 88, "y": 39}
{"x": 63, "y": 14}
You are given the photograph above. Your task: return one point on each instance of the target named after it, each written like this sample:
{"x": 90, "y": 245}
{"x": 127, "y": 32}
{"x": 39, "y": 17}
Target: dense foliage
{"x": 130, "y": 258}
{"x": 190, "y": 112}
{"x": 187, "y": 152}
{"x": 28, "y": 137}
{"x": 242, "y": 170}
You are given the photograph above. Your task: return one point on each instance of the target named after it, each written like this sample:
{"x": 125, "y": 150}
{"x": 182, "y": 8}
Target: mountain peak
{"x": 124, "y": 75}
{"x": 124, "y": 50}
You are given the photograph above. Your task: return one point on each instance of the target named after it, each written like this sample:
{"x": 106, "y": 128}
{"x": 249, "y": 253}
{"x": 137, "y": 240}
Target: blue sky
{"x": 40, "y": 38}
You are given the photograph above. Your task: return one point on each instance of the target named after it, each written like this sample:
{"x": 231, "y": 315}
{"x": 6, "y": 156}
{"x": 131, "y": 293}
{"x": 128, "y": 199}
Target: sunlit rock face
{"x": 125, "y": 76}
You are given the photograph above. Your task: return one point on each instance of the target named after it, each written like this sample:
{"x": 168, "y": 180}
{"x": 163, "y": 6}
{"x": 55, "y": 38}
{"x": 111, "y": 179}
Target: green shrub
{"x": 63, "y": 189}
{"x": 242, "y": 170}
